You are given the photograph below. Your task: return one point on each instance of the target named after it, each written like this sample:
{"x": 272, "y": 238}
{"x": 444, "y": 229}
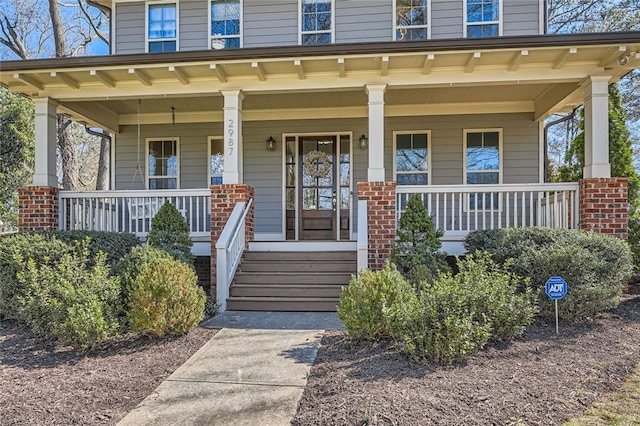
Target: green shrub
{"x": 634, "y": 243}
{"x": 163, "y": 298}
{"x": 170, "y": 232}
{"x": 115, "y": 245}
{"x": 483, "y": 240}
{"x": 415, "y": 250}
{"x": 364, "y": 303}
{"x": 75, "y": 303}
{"x": 594, "y": 265}
{"x": 15, "y": 252}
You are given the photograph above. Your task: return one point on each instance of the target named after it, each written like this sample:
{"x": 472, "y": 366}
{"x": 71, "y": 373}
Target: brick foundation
{"x": 38, "y": 208}
{"x": 203, "y": 271}
{"x": 223, "y": 200}
{"x": 381, "y": 213}
{"x": 604, "y": 206}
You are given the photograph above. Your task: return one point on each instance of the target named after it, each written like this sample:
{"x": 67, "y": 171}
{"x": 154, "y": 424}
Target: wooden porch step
{"x": 283, "y": 304}
{"x": 287, "y": 290}
{"x": 295, "y": 278}
{"x": 298, "y": 266}
{"x": 343, "y": 256}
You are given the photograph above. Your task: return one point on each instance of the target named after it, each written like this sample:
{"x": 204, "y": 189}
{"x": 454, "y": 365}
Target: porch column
{"x": 38, "y": 204}
{"x": 596, "y": 127}
{"x": 232, "y": 136}
{"x": 375, "y": 173}
{"x": 381, "y": 220}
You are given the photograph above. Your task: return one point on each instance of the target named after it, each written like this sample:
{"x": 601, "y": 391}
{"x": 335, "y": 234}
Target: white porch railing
{"x": 459, "y": 209}
{"x": 229, "y": 249}
{"x": 132, "y": 211}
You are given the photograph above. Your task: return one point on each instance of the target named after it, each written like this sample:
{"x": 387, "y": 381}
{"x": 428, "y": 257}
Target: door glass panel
{"x": 291, "y": 198}
{"x": 309, "y": 199}
{"x": 325, "y": 199}
{"x": 344, "y": 198}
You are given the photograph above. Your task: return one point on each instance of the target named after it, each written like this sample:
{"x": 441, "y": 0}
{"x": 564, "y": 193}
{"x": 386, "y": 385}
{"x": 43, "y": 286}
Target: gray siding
{"x": 521, "y": 17}
{"x": 446, "y": 19}
{"x": 270, "y": 23}
{"x": 363, "y": 21}
{"x": 129, "y": 37}
{"x": 193, "y": 32}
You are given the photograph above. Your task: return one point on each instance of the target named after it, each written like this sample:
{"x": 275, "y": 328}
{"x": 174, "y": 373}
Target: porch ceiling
{"x": 537, "y": 74}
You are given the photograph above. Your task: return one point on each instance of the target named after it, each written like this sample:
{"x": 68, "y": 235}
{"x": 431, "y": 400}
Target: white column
{"x": 596, "y": 127}
{"x": 375, "y": 172}
{"x": 46, "y": 124}
{"x": 232, "y": 136}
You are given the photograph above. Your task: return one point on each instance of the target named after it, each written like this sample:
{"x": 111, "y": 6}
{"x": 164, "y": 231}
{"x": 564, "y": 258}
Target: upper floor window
{"x": 483, "y": 18}
{"x": 226, "y": 24}
{"x": 216, "y": 160}
{"x": 162, "y": 163}
{"x": 412, "y": 157}
{"x": 162, "y": 24}
{"x": 412, "y": 19}
{"x": 316, "y": 22}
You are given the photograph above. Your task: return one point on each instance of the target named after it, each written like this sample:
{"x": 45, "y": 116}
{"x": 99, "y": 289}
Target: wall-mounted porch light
{"x": 363, "y": 141}
{"x": 271, "y": 144}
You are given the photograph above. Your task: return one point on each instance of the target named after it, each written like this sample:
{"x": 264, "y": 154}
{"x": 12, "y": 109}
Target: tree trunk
{"x": 58, "y": 29}
{"x": 66, "y": 146}
{"x": 102, "y": 181}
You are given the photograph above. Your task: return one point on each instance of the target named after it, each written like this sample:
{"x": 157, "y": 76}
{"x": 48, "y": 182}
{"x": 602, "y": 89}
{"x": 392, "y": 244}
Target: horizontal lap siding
{"x": 193, "y": 25}
{"x": 446, "y": 19}
{"x": 129, "y": 37}
{"x": 360, "y": 21}
{"x": 521, "y": 17}
{"x": 272, "y": 23}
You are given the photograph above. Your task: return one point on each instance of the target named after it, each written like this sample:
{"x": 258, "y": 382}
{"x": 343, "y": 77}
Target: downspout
{"x": 546, "y": 136}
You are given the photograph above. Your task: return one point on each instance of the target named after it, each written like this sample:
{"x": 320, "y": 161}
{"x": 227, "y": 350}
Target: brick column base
{"x": 604, "y": 206}
{"x": 223, "y": 200}
{"x": 381, "y": 213}
{"x": 38, "y": 208}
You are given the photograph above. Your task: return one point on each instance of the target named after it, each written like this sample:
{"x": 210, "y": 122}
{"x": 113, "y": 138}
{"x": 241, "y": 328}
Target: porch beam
{"x": 342, "y": 68}
{"x": 218, "y": 71}
{"x": 103, "y": 78}
{"x": 596, "y": 127}
{"x": 179, "y": 74}
{"x": 300, "y": 69}
{"x": 384, "y": 66}
{"x": 31, "y": 81}
{"x": 517, "y": 60}
{"x": 95, "y": 113}
{"x": 472, "y": 62}
{"x": 233, "y": 144}
{"x": 428, "y": 64}
{"x": 141, "y": 76}
{"x": 552, "y": 99}
{"x": 564, "y": 57}
{"x": 70, "y": 82}
{"x": 613, "y": 56}
{"x": 46, "y": 124}
{"x": 375, "y": 171}
{"x": 259, "y": 70}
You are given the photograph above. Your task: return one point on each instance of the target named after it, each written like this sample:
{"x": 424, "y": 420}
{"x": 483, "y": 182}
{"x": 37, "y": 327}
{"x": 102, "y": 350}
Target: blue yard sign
{"x": 556, "y": 288}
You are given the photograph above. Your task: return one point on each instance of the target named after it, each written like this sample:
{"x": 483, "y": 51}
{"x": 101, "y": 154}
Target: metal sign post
{"x": 556, "y": 288}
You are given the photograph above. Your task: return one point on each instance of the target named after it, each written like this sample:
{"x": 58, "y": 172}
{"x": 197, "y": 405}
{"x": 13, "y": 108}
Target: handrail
{"x": 363, "y": 236}
{"x": 440, "y": 189}
{"x": 229, "y": 249}
{"x": 136, "y": 193}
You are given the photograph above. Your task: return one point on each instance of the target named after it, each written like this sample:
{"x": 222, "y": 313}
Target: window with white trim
{"x": 162, "y": 163}
{"x": 482, "y": 18}
{"x": 216, "y": 160}
{"x": 412, "y": 157}
{"x": 412, "y": 20}
{"x": 162, "y": 27}
{"x": 226, "y": 24}
{"x": 483, "y": 164}
{"x": 316, "y": 22}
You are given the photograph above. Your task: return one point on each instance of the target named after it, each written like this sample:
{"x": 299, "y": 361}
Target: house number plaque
{"x": 230, "y": 133}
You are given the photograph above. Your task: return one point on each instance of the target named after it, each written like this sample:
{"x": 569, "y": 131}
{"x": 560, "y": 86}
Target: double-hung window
{"x": 483, "y": 164}
{"x": 412, "y": 161}
{"x": 162, "y": 27}
{"x": 216, "y": 160}
{"x": 483, "y": 18}
{"x": 226, "y": 24}
{"x": 412, "y": 19}
{"x": 316, "y": 22}
{"x": 162, "y": 163}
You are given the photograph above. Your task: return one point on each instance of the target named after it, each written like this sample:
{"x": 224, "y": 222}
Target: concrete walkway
{"x": 247, "y": 375}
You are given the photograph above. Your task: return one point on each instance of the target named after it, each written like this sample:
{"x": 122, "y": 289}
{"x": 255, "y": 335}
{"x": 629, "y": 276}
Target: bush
{"x": 170, "y": 232}
{"x": 365, "y": 302}
{"x": 163, "y": 297}
{"x": 483, "y": 240}
{"x": 75, "y": 303}
{"x": 115, "y": 245}
{"x": 634, "y": 243}
{"x": 415, "y": 250}
{"x": 15, "y": 251}
{"x": 594, "y": 265}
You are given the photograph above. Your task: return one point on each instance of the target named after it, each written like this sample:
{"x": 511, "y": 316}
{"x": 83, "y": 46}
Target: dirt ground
{"x": 541, "y": 379}
{"x": 44, "y": 385}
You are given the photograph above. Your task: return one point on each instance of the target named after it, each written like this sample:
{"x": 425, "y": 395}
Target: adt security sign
{"x": 556, "y": 288}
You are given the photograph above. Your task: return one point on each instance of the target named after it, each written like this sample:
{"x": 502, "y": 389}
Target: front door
{"x": 323, "y": 187}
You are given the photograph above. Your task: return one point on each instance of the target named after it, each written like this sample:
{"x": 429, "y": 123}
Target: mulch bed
{"x": 541, "y": 379}
{"x": 41, "y": 384}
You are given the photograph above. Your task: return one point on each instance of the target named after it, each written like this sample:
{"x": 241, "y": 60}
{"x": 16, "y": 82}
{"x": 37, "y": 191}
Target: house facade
{"x": 310, "y": 123}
